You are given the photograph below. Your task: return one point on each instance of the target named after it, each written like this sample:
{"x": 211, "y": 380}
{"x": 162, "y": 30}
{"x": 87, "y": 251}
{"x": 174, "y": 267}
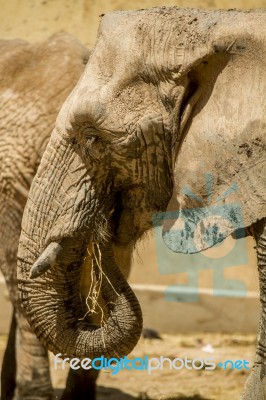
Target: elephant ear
{"x": 219, "y": 167}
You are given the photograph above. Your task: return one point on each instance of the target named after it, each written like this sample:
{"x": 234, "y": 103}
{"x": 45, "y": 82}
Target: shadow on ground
{"x": 183, "y": 397}
{"x": 143, "y": 396}
{"x": 115, "y": 394}
{"x": 104, "y": 393}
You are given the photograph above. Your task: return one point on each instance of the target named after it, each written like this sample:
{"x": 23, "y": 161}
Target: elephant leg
{"x": 8, "y": 373}
{"x": 80, "y": 385}
{"x": 255, "y": 387}
{"x": 33, "y": 380}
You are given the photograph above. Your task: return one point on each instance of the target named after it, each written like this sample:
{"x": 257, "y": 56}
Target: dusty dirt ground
{"x": 218, "y": 384}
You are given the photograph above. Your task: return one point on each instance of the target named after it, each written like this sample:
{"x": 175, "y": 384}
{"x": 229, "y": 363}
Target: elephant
{"x": 167, "y": 120}
{"x": 35, "y": 81}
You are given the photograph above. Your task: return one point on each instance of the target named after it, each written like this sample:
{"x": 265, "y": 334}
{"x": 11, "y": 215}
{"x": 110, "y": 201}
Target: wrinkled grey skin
{"x": 35, "y": 80}
{"x": 168, "y": 97}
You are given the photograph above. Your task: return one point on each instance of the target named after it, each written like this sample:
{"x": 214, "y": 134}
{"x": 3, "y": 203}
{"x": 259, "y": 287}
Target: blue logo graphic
{"x": 197, "y": 228}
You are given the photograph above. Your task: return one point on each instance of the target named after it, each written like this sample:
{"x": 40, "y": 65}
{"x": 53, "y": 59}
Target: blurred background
{"x": 192, "y": 301}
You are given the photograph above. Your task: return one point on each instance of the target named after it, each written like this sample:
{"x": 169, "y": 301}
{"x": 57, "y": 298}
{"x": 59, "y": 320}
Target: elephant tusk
{"x": 46, "y": 260}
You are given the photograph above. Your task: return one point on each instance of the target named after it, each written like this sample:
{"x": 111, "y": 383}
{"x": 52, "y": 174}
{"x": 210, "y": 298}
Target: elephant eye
{"x": 92, "y": 139}
{"x": 89, "y": 135}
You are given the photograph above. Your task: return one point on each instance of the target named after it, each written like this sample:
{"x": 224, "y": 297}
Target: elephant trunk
{"x": 59, "y": 219}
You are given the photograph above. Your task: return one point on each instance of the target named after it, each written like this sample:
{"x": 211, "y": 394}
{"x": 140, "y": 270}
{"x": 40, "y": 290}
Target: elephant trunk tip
{"x": 46, "y": 260}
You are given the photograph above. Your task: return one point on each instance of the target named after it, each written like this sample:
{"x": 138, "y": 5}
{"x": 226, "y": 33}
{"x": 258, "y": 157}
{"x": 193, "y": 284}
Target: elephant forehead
{"x": 173, "y": 37}
{"x": 179, "y": 18}
{"x": 157, "y": 44}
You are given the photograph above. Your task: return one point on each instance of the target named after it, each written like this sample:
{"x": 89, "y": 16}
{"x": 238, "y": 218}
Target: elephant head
{"x": 164, "y": 101}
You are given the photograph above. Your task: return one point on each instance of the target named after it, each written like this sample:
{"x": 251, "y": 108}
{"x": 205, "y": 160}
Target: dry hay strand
{"x": 92, "y": 300}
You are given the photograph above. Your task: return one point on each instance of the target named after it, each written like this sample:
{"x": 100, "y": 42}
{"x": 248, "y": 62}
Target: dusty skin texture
{"x": 34, "y": 82}
{"x": 164, "y": 91}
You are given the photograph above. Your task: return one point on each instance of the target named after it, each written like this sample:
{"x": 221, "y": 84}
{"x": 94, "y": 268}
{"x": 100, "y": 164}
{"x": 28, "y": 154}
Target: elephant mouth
{"x": 121, "y": 220}
{"x": 92, "y": 302}
{"x": 107, "y": 229}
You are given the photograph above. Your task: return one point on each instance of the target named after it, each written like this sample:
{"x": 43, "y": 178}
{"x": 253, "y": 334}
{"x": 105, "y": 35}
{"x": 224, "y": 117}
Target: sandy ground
{"x": 166, "y": 384}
